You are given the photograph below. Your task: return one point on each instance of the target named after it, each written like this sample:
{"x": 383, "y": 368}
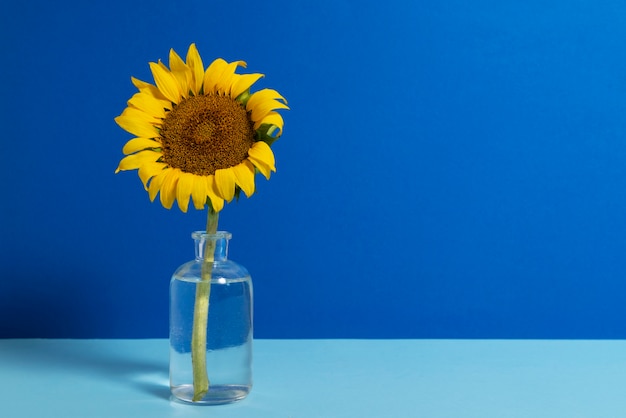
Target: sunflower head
{"x": 200, "y": 133}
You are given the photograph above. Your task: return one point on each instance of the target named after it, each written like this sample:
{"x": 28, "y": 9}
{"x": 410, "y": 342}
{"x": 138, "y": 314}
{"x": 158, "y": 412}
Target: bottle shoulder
{"x": 223, "y": 270}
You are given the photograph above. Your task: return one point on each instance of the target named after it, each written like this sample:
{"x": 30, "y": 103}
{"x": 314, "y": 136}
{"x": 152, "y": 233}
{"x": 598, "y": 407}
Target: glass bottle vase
{"x": 227, "y": 349}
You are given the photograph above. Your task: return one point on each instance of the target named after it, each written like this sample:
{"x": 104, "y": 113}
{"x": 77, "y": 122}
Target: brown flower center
{"x": 206, "y": 133}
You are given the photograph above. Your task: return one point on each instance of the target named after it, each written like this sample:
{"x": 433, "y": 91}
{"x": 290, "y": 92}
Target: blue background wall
{"x": 448, "y": 168}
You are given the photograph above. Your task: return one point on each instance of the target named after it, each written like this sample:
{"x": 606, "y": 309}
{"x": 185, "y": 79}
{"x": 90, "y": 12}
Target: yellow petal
{"x": 225, "y": 183}
{"x": 199, "y": 192}
{"x": 263, "y": 96}
{"x": 243, "y": 83}
{"x": 218, "y": 77}
{"x": 150, "y": 104}
{"x": 181, "y": 72}
{"x": 273, "y": 118}
{"x": 149, "y": 170}
{"x": 140, "y": 115}
{"x": 168, "y": 188}
{"x": 263, "y": 169}
{"x": 156, "y": 182}
{"x": 166, "y": 82}
{"x": 262, "y": 102}
{"x": 138, "y": 159}
{"x": 262, "y": 157}
{"x": 262, "y": 109}
{"x": 183, "y": 190}
{"x": 194, "y": 62}
{"x": 163, "y": 66}
{"x": 228, "y": 76}
{"x": 211, "y": 75}
{"x": 137, "y": 127}
{"x": 150, "y": 89}
{"x": 244, "y": 176}
{"x": 139, "y": 144}
{"x": 225, "y": 82}
{"x": 217, "y": 203}
{"x": 140, "y": 84}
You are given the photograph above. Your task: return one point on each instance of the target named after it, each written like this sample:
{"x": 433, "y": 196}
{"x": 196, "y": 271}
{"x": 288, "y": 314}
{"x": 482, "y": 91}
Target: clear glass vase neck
{"x": 204, "y": 241}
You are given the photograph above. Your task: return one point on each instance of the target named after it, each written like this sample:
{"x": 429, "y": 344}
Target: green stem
{"x": 201, "y": 313}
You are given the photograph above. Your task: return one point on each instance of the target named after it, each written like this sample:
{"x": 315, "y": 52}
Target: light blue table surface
{"x": 325, "y": 378}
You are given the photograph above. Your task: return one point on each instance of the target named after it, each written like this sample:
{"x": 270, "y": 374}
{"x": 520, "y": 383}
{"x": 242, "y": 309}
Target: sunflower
{"x": 199, "y": 133}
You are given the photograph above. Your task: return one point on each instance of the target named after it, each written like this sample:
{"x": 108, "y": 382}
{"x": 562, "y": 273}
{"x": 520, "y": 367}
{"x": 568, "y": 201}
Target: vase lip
{"x": 203, "y": 235}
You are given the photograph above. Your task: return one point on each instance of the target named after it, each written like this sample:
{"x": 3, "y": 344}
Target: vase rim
{"x": 203, "y": 235}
